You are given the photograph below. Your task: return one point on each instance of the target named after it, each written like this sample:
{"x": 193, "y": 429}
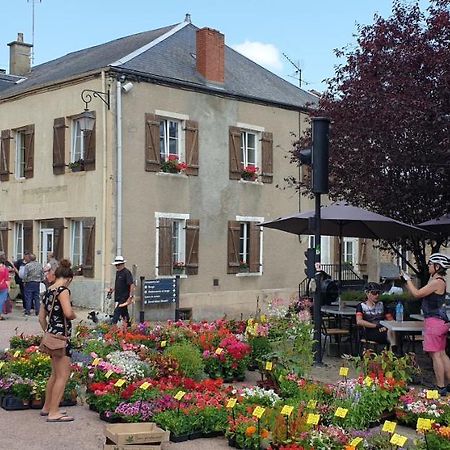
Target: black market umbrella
{"x": 341, "y": 219}
{"x": 440, "y": 225}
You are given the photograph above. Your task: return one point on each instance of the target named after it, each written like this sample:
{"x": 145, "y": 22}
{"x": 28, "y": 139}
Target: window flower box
{"x": 178, "y": 268}
{"x": 249, "y": 173}
{"x": 243, "y": 267}
{"x": 173, "y": 165}
{"x": 76, "y": 166}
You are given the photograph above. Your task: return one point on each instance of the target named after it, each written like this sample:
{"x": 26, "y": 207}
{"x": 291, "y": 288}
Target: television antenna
{"x": 33, "y": 2}
{"x": 298, "y": 71}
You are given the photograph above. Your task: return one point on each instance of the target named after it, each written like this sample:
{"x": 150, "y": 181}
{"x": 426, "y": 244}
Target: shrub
{"x": 189, "y": 359}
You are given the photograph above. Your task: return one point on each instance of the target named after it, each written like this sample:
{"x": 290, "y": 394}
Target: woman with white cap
{"x": 436, "y": 323}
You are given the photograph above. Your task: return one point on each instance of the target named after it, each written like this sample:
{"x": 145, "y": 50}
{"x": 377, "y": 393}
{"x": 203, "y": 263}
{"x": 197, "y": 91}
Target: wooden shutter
{"x": 235, "y": 153}
{"x": 88, "y": 247}
{"x": 255, "y": 253}
{"x": 234, "y": 234}
{"x": 191, "y": 148}
{"x": 28, "y": 236}
{"x": 89, "y": 149}
{"x": 152, "y": 155}
{"x": 4, "y": 238}
{"x": 362, "y": 255}
{"x": 165, "y": 247}
{"x": 29, "y": 151}
{"x": 336, "y": 249}
{"x": 267, "y": 157}
{"x": 59, "y": 145}
{"x": 58, "y": 245}
{"x": 5, "y": 155}
{"x": 192, "y": 238}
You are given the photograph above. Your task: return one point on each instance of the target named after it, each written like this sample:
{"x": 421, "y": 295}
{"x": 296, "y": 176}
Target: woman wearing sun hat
{"x": 436, "y": 323}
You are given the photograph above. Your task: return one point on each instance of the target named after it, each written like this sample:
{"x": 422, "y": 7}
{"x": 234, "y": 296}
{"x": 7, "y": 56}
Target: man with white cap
{"x": 123, "y": 290}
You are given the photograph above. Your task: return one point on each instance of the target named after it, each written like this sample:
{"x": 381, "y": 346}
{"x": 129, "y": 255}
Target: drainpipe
{"x": 119, "y": 167}
{"x": 104, "y": 193}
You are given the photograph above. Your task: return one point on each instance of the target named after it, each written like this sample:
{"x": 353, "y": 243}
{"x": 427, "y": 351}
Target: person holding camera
{"x": 436, "y": 322}
{"x": 370, "y": 313}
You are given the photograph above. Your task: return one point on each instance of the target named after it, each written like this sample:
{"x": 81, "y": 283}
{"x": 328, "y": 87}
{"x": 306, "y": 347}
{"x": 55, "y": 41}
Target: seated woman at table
{"x": 436, "y": 323}
{"x": 369, "y": 314}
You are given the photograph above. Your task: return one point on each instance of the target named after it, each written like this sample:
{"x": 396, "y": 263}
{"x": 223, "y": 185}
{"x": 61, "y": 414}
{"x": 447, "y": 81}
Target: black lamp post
{"x": 87, "y": 119}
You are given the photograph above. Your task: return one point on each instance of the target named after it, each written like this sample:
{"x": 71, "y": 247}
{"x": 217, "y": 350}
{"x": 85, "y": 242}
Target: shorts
{"x": 435, "y": 334}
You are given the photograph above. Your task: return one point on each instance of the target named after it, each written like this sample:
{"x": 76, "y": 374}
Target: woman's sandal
{"x": 62, "y": 419}
{"x": 45, "y": 414}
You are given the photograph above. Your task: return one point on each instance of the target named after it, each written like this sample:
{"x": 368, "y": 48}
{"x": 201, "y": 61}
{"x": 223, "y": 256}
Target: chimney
{"x": 210, "y": 54}
{"x": 19, "y": 56}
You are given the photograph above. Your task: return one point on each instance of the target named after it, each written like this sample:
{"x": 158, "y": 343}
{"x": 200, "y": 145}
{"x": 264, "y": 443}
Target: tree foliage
{"x": 390, "y": 108}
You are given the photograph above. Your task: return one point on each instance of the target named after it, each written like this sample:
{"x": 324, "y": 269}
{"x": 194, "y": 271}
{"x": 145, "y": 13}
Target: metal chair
{"x": 333, "y": 331}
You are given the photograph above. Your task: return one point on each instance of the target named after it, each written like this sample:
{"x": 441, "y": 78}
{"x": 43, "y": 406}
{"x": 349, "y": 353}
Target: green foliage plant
{"x": 189, "y": 359}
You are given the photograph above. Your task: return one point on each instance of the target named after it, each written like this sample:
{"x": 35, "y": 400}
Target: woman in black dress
{"x": 55, "y": 317}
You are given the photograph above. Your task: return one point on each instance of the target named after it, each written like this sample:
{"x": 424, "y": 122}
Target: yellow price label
{"x": 119, "y": 383}
{"x": 2, "y": 363}
{"x": 341, "y": 412}
{"x": 179, "y": 395}
{"x": 258, "y": 412}
{"x": 343, "y": 371}
{"x": 398, "y": 439}
{"x": 356, "y": 441}
{"x": 311, "y": 404}
{"x": 269, "y": 365}
{"x": 16, "y": 354}
{"x": 163, "y": 344}
{"x": 313, "y": 419}
{"x": 368, "y": 381}
{"x": 263, "y": 318}
{"x": 219, "y": 351}
{"x": 96, "y": 362}
{"x": 432, "y": 394}
{"x": 109, "y": 373}
{"x": 389, "y": 427}
{"x": 287, "y": 410}
{"x": 423, "y": 424}
{"x": 144, "y": 386}
{"x": 231, "y": 403}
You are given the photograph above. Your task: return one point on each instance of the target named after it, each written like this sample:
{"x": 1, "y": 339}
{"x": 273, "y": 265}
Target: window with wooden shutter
{"x": 152, "y": 153}
{"x": 28, "y": 236}
{"x": 255, "y": 248}
{"x": 192, "y": 240}
{"x": 267, "y": 157}
{"x": 235, "y": 153}
{"x": 29, "y": 152}
{"x": 362, "y": 255}
{"x": 89, "y": 149}
{"x": 58, "y": 234}
{"x": 5, "y": 145}
{"x": 59, "y": 146}
{"x": 4, "y": 238}
{"x": 234, "y": 232}
{"x": 89, "y": 247}
{"x": 165, "y": 246}
{"x": 191, "y": 152}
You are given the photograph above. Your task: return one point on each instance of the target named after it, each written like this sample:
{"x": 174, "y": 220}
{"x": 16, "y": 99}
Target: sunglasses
{"x": 375, "y": 292}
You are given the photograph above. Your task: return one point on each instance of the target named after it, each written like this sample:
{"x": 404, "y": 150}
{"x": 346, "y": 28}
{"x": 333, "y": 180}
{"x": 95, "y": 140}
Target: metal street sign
{"x": 160, "y": 291}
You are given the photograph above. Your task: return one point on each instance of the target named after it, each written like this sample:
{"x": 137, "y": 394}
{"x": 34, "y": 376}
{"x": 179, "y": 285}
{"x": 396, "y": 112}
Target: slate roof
{"x": 7, "y": 81}
{"x": 171, "y": 60}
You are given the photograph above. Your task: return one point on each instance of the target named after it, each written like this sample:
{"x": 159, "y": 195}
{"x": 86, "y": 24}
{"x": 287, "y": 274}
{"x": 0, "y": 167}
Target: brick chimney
{"x": 210, "y": 54}
{"x": 19, "y": 56}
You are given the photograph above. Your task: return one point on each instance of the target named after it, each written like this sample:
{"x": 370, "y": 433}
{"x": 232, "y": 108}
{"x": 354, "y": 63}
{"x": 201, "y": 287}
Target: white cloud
{"x": 266, "y": 55}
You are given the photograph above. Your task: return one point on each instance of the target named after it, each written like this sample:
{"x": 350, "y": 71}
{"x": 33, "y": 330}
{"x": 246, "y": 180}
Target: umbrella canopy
{"x": 340, "y": 219}
{"x": 439, "y": 225}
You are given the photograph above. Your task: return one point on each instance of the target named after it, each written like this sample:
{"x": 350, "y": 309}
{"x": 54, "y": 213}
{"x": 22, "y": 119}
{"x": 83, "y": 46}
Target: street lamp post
{"x": 87, "y": 119}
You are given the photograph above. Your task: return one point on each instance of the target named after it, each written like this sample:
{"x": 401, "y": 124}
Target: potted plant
{"x": 76, "y": 166}
{"x": 179, "y": 424}
{"x": 249, "y": 173}
{"x": 172, "y": 164}
{"x": 243, "y": 266}
{"x": 178, "y": 267}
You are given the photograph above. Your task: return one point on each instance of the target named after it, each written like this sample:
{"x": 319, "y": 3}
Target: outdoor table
{"x": 403, "y": 328}
{"x": 417, "y": 316}
{"x": 348, "y": 302}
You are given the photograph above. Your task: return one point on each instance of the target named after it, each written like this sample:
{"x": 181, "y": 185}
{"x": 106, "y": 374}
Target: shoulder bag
{"x": 54, "y": 344}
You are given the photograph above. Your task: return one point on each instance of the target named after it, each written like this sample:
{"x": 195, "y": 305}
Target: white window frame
{"x": 20, "y": 154}
{"x": 248, "y": 219}
{"x": 325, "y": 248}
{"x": 73, "y": 236}
{"x": 18, "y": 240}
{"x": 353, "y": 252}
{"x": 44, "y": 233}
{"x": 244, "y": 148}
{"x": 76, "y": 155}
{"x": 180, "y": 138}
{"x": 182, "y": 239}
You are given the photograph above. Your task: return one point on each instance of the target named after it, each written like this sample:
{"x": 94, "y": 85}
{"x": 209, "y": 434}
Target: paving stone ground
{"x": 27, "y": 430}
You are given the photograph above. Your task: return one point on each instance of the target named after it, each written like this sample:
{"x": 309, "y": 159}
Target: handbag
{"x": 7, "y": 306}
{"x": 54, "y": 344}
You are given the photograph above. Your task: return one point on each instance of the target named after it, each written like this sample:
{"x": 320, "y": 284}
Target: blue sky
{"x": 307, "y": 31}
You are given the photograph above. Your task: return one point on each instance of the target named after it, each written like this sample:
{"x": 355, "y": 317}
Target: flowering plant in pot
{"x": 243, "y": 266}
{"x": 178, "y": 267}
{"x": 172, "y": 164}
{"x": 249, "y": 173}
{"x": 76, "y": 166}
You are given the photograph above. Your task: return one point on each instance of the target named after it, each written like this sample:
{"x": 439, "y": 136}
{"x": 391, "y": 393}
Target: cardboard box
{"x": 161, "y": 446}
{"x": 127, "y": 434}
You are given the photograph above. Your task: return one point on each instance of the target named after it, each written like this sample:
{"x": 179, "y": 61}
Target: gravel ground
{"x": 26, "y": 429}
